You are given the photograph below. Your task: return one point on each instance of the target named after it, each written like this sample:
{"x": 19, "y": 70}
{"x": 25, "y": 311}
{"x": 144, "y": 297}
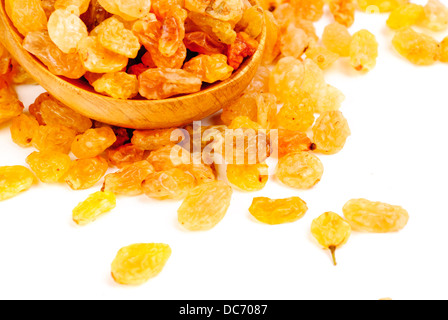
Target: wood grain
{"x": 137, "y": 114}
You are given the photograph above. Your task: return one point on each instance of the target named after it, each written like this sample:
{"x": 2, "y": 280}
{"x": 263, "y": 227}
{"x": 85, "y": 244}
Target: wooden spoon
{"x": 137, "y": 114}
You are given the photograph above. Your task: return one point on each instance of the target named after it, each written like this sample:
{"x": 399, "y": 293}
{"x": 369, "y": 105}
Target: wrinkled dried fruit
{"x": 252, "y": 21}
{"x": 168, "y": 157}
{"x": 94, "y": 206}
{"x": 136, "y": 264}
{"x": 203, "y": 43}
{"x": 59, "y": 63}
{"x": 162, "y": 8}
{"x": 343, "y": 11}
{"x": 98, "y": 59}
{"x": 331, "y": 231}
{"x": 128, "y": 181}
{"x": 118, "y": 85}
{"x": 50, "y": 111}
{"x": 323, "y": 57}
{"x": 128, "y": 10}
{"x": 377, "y": 217}
{"x": 149, "y": 31}
{"x": 86, "y": 173}
{"x": 337, "y": 38}
{"x": 418, "y": 48}
{"x": 220, "y": 30}
{"x": 125, "y": 155}
{"x": 330, "y": 132}
{"x": 209, "y": 68}
{"x": 203, "y": 173}
{"x": 286, "y": 75}
{"x": 300, "y": 170}
{"x": 313, "y": 88}
{"x": 23, "y": 128}
{"x": 278, "y": 211}
{"x": 54, "y": 138}
{"x": 243, "y": 47}
{"x": 113, "y": 35}
{"x": 205, "y": 206}
{"x": 405, "y": 16}
{"x": 311, "y": 10}
{"x": 363, "y": 51}
{"x": 49, "y": 167}
{"x": 171, "y": 184}
{"x": 229, "y": 10}
{"x": 293, "y": 42}
{"x": 291, "y": 142}
{"x": 296, "y": 117}
{"x": 156, "y": 84}
{"x": 173, "y": 31}
{"x": 248, "y": 177}
{"x": 436, "y": 16}
{"x": 93, "y": 142}
{"x": 66, "y": 29}
{"x": 26, "y": 15}
{"x": 14, "y": 180}
{"x": 155, "y": 139}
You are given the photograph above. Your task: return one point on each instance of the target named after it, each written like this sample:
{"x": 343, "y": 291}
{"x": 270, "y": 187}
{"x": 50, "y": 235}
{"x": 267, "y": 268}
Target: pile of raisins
{"x": 133, "y": 49}
{"x": 125, "y": 49}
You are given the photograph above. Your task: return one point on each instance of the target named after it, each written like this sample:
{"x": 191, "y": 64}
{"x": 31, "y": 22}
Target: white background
{"x": 398, "y": 114}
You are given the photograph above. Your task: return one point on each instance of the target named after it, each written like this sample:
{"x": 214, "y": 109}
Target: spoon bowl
{"x": 136, "y": 114}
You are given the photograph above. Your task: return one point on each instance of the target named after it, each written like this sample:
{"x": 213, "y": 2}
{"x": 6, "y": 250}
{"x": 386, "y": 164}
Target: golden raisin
{"x": 128, "y": 180}
{"x": 377, "y": 217}
{"x": 343, "y": 11}
{"x": 330, "y": 132}
{"x": 363, "y": 51}
{"x": 278, "y": 211}
{"x": 137, "y": 263}
{"x": 156, "y": 84}
{"x": 14, "y": 180}
{"x": 26, "y": 15}
{"x": 406, "y": 15}
{"x": 248, "y": 177}
{"x": 93, "y": 142}
{"x": 85, "y": 173}
{"x": 300, "y": 170}
{"x": 155, "y": 139}
{"x": 125, "y": 155}
{"x": 418, "y": 48}
{"x": 337, "y": 38}
{"x": 331, "y": 231}
{"x": 23, "y": 128}
{"x": 209, "y": 68}
{"x": 171, "y": 184}
{"x": 49, "y": 167}
{"x": 205, "y": 206}
{"x": 56, "y": 138}
{"x": 94, "y": 206}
